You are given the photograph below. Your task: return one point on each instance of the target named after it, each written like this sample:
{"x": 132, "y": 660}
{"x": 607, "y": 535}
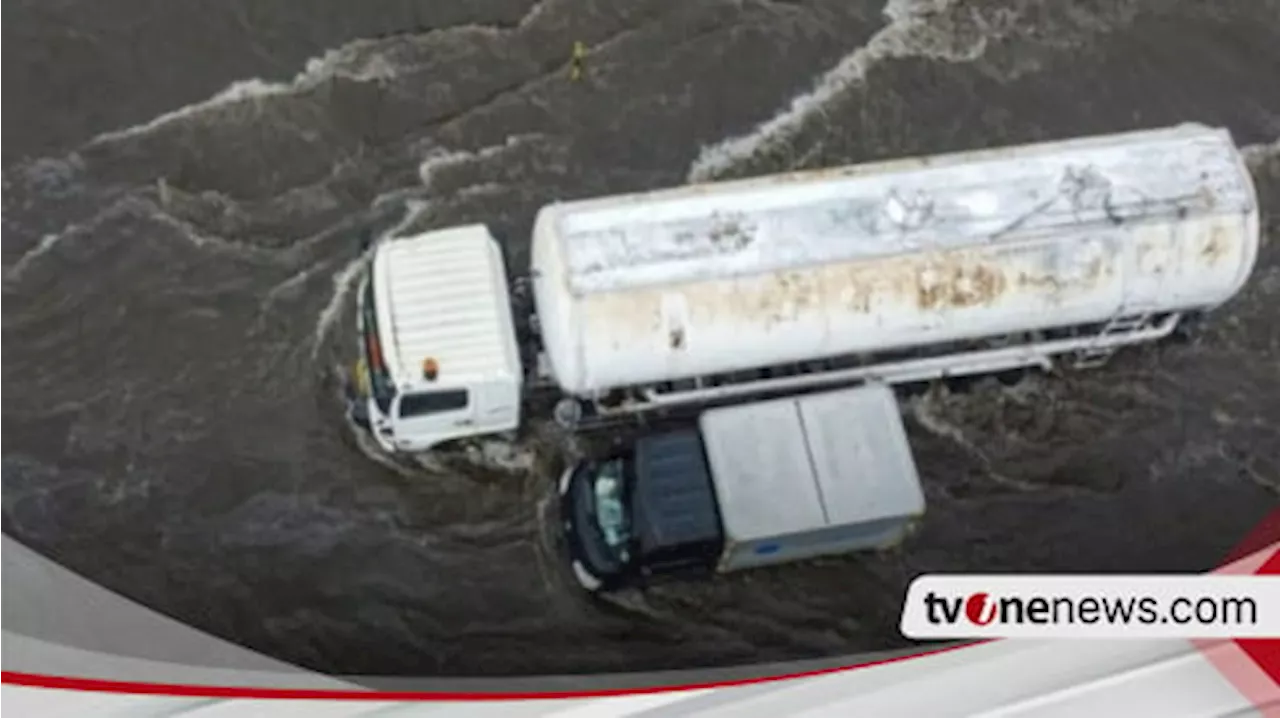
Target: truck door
{"x": 496, "y": 406}
{"x": 424, "y": 418}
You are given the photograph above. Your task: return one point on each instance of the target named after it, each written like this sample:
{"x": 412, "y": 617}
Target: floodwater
{"x": 186, "y": 185}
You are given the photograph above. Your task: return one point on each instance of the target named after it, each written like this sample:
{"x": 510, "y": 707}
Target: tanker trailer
{"x": 899, "y": 271}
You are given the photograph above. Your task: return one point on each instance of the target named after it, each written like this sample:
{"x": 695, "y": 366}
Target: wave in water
{"x": 360, "y": 60}
{"x": 1258, "y": 155}
{"x": 348, "y": 61}
{"x": 43, "y": 247}
{"x": 913, "y": 31}
{"x": 441, "y": 158}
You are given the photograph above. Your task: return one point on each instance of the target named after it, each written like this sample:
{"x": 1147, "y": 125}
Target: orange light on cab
{"x": 430, "y": 369}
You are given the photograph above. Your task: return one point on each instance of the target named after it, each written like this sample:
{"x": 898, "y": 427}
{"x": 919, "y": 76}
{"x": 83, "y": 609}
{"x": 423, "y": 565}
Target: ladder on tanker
{"x": 1100, "y": 348}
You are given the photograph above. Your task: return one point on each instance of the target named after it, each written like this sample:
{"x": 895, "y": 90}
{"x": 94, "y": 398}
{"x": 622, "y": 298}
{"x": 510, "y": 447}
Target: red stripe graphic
{"x": 1263, "y": 535}
{"x": 1266, "y": 652}
{"x": 1252, "y": 665}
{"x": 198, "y": 691}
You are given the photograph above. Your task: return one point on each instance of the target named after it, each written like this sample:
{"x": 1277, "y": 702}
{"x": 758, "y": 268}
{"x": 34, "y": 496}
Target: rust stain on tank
{"x": 784, "y": 295}
{"x": 926, "y": 283}
{"x": 620, "y": 317}
{"x": 950, "y": 280}
{"x": 941, "y": 281}
{"x": 1054, "y": 285}
{"x": 1216, "y": 247}
{"x": 1038, "y": 282}
{"x": 959, "y": 284}
{"x": 855, "y": 295}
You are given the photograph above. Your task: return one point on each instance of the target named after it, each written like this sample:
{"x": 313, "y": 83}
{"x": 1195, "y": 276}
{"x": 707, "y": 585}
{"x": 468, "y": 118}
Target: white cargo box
{"x": 811, "y": 475}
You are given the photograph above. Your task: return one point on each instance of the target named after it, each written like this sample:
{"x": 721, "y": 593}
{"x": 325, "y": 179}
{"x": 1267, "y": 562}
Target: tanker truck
{"x": 964, "y": 264}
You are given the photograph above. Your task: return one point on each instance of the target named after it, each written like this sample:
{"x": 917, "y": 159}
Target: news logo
{"x": 982, "y": 609}
{"x": 979, "y": 608}
{"x": 1092, "y": 606}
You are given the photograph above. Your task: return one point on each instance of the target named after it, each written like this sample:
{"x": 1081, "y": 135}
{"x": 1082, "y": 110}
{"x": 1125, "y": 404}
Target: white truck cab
{"x": 439, "y": 359}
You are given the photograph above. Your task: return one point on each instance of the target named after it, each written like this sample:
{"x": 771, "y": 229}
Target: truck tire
{"x": 568, "y": 413}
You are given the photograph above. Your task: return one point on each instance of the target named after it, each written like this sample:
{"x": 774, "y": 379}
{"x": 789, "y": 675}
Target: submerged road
{"x": 186, "y": 183}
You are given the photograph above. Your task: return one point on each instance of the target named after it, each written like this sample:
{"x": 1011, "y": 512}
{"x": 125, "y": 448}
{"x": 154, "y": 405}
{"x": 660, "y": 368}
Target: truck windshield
{"x": 379, "y": 380}
{"x": 611, "y": 512}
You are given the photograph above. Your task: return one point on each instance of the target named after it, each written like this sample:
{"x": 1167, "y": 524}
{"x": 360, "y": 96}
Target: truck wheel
{"x": 567, "y": 413}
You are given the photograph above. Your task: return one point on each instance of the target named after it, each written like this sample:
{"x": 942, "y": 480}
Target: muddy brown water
{"x": 178, "y": 276}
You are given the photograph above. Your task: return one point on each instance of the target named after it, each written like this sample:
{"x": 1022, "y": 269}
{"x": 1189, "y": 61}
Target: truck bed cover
{"x": 797, "y": 465}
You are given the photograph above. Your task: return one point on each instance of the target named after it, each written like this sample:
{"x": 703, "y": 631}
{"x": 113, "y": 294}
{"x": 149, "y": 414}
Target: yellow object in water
{"x": 576, "y": 61}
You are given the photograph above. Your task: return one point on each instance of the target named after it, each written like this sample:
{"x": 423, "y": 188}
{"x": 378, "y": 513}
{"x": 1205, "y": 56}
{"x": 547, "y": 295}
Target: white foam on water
{"x": 441, "y": 158}
{"x": 357, "y": 60}
{"x": 535, "y": 11}
{"x": 481, "y": 190}
{"x": 503, "y": 455}
{"x": 291, "y": 288}
{"x": 910, "y": 33}
{"x": 1257, "y": 155}
{"x": 928, "y": 413}
{"x": 345, "y": 279}
{"x": 368, "y": 446}
{"x": 204, "y": 240}
{"x": 43, "y": 247}
{"x": 48, "y": 242}
{"x": 484, "y": 453}
{"x": 347, "y": 61}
